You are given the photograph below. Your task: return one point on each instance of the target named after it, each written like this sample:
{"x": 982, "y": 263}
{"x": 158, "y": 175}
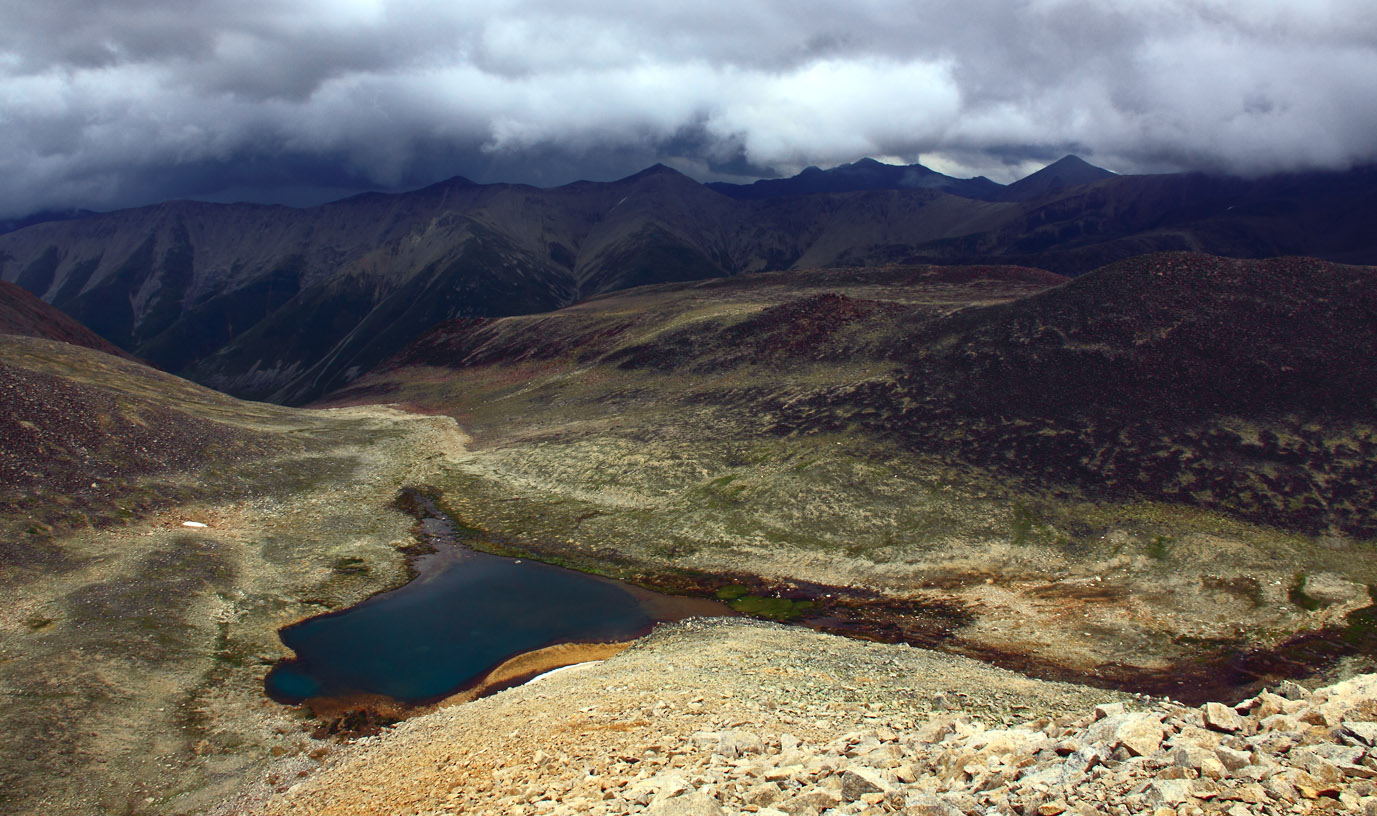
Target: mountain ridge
{"x": 219, "y": 292}
{"x": 865, "y": 174}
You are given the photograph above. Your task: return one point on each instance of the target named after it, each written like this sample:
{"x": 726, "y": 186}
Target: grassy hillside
{"x": 1243, "y": 387}
{"x": 132, "y": 647}
{"x": 1140, "y": 475}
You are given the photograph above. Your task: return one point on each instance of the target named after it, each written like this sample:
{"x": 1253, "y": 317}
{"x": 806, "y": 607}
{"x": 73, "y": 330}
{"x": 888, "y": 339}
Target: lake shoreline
{"x": 365, "y": 714}
{"x": 390, "y": 656}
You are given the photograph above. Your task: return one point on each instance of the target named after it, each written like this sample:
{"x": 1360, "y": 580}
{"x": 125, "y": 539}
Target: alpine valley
{"x": 1087, "y": 439}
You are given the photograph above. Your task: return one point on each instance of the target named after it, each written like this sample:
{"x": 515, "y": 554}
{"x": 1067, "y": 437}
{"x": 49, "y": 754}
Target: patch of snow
{"x": 551, "y": 672}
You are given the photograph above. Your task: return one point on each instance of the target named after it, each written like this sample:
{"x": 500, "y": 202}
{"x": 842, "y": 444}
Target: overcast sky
{"x": 107, "y": 103}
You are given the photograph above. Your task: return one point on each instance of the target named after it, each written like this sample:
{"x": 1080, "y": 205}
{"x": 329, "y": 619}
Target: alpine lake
{"x": 464, "y": 614}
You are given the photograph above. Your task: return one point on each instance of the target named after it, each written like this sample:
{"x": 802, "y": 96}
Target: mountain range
{"x": 285, "y": 304}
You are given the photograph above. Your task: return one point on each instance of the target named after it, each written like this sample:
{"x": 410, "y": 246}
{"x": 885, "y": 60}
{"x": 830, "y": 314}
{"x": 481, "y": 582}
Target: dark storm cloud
{"x": 125, "y": 101}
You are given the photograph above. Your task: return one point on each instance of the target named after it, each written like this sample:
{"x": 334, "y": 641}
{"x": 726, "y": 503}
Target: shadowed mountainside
{"x": 23, "y": 314}
{"x": 1246, "y": 386}
{"x": 287, "y": 304}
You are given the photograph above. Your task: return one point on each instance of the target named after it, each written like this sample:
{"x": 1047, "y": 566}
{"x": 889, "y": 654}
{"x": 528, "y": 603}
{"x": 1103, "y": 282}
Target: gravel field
{"x": 615, "y": 719}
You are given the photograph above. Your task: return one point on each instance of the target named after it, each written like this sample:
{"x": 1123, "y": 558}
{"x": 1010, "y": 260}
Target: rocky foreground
{"x": 728, "y": 716}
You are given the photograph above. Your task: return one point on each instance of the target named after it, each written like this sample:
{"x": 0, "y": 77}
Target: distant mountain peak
{"x": 1073, "y": 162}
{"x": 656, "y": 169}
{"x": 1063, "y": 174}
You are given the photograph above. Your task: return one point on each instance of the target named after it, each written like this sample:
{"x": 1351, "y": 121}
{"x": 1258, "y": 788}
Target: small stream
{"x": 464, "y": 614}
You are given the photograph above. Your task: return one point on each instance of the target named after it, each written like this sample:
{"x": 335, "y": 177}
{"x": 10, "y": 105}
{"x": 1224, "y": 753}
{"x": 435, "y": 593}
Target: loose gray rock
{"x": 818, "y": 799}
{"x": 1233, "y": 760}
{"x": 1167, "y": 792}
{"x": 692, "y": 804}
{"x": 1105, "y": 710}
{"x": 1329, "y": 589}
{"x": 1364, "y": 732}
{"x": 766, "y": 793}
{"x": 930, "y": 806}
{"x": 668, "y": 785}
{"x": 1141, "y": 734}
{"x": 1292, "y": 690}
{"x": 859, "y": 780}
{"x": 737, "y": 743}
{"x": 1191, "y": 756}
{"x": 1338, "y": 754}
{"x": 1219, "y": 717}
{"x": 706, "y": 740}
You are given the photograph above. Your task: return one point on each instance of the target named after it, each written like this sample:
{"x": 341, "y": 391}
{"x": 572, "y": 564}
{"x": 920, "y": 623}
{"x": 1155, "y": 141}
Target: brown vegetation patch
{"x": 1217, "y": 383}
{"x": 65, "y": 435}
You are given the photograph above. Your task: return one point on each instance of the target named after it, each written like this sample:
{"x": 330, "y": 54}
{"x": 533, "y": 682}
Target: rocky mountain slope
{"x": 1155, "y": 475}
{"x": 287, "y": 304}
{"x": 76, "y": 450}
{"x": 773, "y": 721}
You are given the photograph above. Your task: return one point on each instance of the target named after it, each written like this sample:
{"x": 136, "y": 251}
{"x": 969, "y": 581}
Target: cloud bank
{"x": 108, "y": 103}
